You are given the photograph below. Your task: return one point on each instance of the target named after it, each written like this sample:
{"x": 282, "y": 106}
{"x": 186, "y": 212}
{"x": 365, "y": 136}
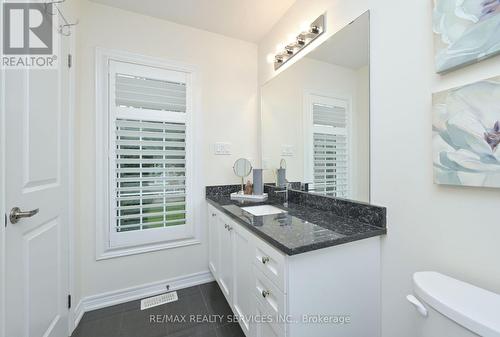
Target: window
{"x": 328, "y": 133}
{"x": 149, "y": 170}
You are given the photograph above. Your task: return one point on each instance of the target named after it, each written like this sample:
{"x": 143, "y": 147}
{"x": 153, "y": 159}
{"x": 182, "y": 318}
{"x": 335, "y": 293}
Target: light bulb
{"x": 304, "y": 27}
{"x": 280, "y": 47}
{"x": 301, "y": 40}
{"x": 270, "y": 58}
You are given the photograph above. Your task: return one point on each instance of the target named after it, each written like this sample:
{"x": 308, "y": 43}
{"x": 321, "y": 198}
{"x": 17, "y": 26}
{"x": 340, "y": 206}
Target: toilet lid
{"x": 472, "y": 307}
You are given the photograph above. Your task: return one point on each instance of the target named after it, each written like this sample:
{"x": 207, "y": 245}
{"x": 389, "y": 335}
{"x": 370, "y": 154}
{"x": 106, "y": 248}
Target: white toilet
{"x": 451, "y": 308}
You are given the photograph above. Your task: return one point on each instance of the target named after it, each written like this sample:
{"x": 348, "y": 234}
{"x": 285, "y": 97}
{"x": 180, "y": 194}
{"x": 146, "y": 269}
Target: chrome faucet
{"x": 288, "y": 185}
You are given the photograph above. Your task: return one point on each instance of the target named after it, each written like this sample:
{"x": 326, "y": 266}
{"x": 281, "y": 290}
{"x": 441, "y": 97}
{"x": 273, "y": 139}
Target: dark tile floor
{"x": 127, "y": 320}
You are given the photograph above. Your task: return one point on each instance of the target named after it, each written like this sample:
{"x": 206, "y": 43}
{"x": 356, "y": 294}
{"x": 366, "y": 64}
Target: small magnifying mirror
{"x": 242, "y": 168}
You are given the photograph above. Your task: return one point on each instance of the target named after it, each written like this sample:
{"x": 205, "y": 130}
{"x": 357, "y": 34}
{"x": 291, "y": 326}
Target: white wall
{"x": 283, "y": 121}
{"x": 228, "y": 69}
{"x": 452, "y": 230}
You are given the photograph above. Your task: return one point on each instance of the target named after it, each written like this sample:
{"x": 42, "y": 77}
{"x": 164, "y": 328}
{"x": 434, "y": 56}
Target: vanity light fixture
{"x": 305, "y": 38}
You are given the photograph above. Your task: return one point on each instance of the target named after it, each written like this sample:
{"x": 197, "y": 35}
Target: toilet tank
{"x": 447, "y": 307}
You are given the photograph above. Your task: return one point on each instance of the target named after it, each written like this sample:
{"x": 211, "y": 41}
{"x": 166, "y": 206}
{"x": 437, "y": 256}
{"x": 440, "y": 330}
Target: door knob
{"x": 16, "y": 214}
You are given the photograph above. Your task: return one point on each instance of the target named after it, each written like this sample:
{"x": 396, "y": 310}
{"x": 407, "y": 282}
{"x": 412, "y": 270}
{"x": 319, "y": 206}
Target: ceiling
{"x": 350, "y": 47}
{"x": 247, "y": 20}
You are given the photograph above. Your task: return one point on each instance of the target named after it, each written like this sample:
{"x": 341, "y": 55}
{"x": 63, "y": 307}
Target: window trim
{"x": 103, "y": 247}
{"x": 310, "y": 97}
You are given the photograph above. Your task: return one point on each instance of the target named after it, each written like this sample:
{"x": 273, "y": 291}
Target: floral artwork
{"x": 466, "y": 31}
{"x": 466, "y": 135}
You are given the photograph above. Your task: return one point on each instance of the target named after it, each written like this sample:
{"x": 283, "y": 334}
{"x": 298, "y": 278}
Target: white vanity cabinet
{"x": 243, "y": 279}
{"x": 213, "y": 239}
{"x": 230, "y": 261}
{"x": 226, "y": 260}
{"x": 221, "y": 255}
{"x": 288, "y": 296}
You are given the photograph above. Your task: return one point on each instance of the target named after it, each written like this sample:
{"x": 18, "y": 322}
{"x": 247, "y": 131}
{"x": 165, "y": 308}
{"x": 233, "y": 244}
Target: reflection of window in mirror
{"x": 319, "y": 107}
{"x": 327, "y": 144}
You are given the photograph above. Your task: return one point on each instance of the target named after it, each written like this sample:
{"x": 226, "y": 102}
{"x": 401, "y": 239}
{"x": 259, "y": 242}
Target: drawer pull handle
{"x": 226, "y": 226}
{"x": 229, "y": 228}
{"x": 265, "y": 293}
{"x": 213, "y": 214}
{"x": 265, "y": 259}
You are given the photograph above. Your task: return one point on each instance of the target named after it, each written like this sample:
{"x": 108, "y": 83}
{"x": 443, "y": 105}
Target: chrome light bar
{"x": 305, "y": 38}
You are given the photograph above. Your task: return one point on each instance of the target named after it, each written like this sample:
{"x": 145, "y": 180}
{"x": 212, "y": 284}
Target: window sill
{"x": 110, "y": 253}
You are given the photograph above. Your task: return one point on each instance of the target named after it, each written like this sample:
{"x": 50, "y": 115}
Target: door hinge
{"x": 70, "y": 60}
{"x": 69, "y": 301}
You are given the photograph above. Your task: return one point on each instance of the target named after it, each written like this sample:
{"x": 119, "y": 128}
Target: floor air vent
{"x": 158, "y": 300}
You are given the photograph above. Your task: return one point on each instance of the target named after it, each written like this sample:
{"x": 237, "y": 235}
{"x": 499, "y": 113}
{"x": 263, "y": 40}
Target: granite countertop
{"x": 301, "y": 229}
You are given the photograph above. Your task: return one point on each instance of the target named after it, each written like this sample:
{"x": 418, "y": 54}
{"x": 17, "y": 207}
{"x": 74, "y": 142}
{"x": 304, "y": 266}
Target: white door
{"x": 226, "y": 257}
{"x": 213, "y": 242}
{"x": 243, "y": 277}
{"x": 36, "y": 168}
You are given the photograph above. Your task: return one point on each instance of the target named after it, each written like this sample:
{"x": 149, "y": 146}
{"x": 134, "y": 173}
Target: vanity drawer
{"x": 271, "y": 263}
{"x": 264, "y": 327}
{"x": 271, "y": 300}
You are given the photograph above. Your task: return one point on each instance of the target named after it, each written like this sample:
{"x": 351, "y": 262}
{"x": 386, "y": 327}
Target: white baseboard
{"x": 138, "y": 292}
{"x": 77, "y": 316}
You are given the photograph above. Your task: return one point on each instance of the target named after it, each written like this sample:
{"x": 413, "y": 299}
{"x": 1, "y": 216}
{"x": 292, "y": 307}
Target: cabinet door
{"x": 243, "y": 299}
{"x": 226, "y": 257}
{"x": 213, "y": 242}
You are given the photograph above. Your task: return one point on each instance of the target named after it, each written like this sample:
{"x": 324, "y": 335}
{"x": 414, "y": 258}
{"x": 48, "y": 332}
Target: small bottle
{"x": 248, "y": 188}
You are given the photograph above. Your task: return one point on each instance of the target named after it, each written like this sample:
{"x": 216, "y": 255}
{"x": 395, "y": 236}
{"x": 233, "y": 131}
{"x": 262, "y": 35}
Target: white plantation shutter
{"x": 149, "y": 155}
{"x": 145, "y": 93}
{"x": 330, "y": 149}
{"x": 150, "y": 175}
{"x": 327, "y": 115}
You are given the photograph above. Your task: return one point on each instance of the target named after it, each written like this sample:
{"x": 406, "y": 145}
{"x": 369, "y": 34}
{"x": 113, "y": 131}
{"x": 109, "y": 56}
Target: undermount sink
{"x": 263, "y": 210}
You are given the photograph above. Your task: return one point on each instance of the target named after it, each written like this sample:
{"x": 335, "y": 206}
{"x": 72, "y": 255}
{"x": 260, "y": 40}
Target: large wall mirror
{"x": 316, "y": 117}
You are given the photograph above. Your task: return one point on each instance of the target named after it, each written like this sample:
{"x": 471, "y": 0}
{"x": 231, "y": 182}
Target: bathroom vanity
{"x": 307, "y": 263}
{"x": 298, "y": 272}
